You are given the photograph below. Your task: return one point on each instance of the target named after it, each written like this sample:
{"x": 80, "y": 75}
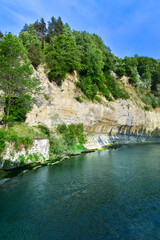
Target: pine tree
{"x": 58, "y": 27}
{"x": 1, "y": 35}
{"x": 41, "y": 29}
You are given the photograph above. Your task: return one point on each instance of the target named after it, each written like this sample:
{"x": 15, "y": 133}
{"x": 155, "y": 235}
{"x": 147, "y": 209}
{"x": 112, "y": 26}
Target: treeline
{"x": 64, "y": 51}
{"x": 144, "y": 75}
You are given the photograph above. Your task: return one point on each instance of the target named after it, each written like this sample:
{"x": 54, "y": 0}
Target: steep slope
{"x": 107, "y": 122}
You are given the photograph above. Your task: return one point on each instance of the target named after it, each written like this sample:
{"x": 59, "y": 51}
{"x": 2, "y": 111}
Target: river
{"x": 111, "y": 194}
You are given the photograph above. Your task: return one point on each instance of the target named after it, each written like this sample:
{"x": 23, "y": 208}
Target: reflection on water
{"x": 103, "y": 195}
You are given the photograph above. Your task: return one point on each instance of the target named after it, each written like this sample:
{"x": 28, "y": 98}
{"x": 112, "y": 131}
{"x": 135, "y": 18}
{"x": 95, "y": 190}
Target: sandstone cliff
{"x": 106, "y": 122}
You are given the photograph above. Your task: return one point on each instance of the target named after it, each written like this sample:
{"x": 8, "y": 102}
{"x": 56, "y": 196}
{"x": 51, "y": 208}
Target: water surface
{"x": 102, "y": 195}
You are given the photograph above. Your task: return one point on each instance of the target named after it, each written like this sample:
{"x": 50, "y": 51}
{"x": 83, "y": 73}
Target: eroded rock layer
{"x": 118, "y": 121}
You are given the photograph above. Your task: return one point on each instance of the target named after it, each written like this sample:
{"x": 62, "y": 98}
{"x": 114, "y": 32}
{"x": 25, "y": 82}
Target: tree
{"x": 91, "y": 72}
{"x": 25, "y": 28}
{"x": 51, "y": 28}
{"x": 55, "y": 28}
{"x": 29, "y": 38}
{"x": 32, "y": 44}
{"x": 16, "y": 79}
{"x": 58, "y": 27}
{"x": 41, "y": 29}
{"x": 62, "y": 57}
{"x": 34, "y": 55}
{"x": 67, "y": 31}
{"x": 1, "y": 35}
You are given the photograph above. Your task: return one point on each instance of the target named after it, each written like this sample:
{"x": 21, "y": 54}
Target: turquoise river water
{"x": 111, "y": 194}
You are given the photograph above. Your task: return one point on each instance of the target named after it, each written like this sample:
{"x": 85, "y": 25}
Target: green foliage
{"x": 62, "y": 56}
{"x": 29, "y": 38}
{"x": 16, "y": 79}
{"x": 79, "y": 130}
{"x": 45, "y": 130}
{"x": 108, "y": 58}
{"x": 1, "y": 35}
{"x": 22, "y": 159}
{"x": 19, "y": 107}
{"x": 121, "y": 71}
{"x": 72, "y": 133}
{"x": 34, "y": 54}
{"x": 114, "y": 88}
{"x": 91, "y": 64}
{"x": 7, "y": 164}
{"x": 55, "y": 28}
{"x": 89, "y": 89}
{"x": 68, "y": 50}
{"x": 17, "y": 140}
{"x": 147, "y": 108}
{"x": 79, "y": 99}
{"x": 65, "y": 50}
{"x": 144, "y": 73}
{"x": 98, "y": 99}
{"x": 146, "y": 99}
{"x": 36, "y": 157}
{"x": 96, "y": 64}
{"x": 57, "y": 145}
{"x": 32, "y": 44}
{"x": 2, "y": 141}
{"x": 70, "y": 140}
{"x": 40, "y": 28}
{"x": 80, "y": 148}
{"x": 46, "y": 96}
{"x": 23, "y": 130}
{"x": 62, "y": 128}
{"x": 67, "y": 31}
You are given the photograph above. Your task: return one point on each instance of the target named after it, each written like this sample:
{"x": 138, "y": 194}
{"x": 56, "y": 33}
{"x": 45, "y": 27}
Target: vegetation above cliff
{"x": 64, "y": 51}
{"x": 20, "y": 134}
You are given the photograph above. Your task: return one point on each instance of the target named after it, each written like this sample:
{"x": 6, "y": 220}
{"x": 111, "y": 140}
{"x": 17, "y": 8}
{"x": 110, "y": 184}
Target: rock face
{"x": 121, "y": 120}
{"x": 39, "y": 150}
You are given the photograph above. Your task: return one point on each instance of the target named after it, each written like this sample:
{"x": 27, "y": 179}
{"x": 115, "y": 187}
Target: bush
{"x": 114, "y": 88}
{"x": 71, "y": 136}
{"x": 98, "y": 99}
{"x": 146, "y": 99}
{"x": 46, "y": 96}
{"x": 87, "y": 87}
{"x": 79, "y": 99}
{"x": 62, "y": 128}
{"x": 121, "y": 71}
{"x": 44, "y": 130}
{"x": 147, "y": 108}
{"x": 34, "y": 54}
{"x": 57, "y": 146}
{"x": 80, "y": 133}
{"x": 2, "y": 141}
{"x": 56, "y": 76}
{"x": 19, "y": 108}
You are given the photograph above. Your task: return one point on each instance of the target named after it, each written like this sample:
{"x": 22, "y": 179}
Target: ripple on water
{"x": 101, "y": 195}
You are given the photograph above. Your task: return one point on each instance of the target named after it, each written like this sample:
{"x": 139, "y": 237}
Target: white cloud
{"x": 35, "y": 6}
{"x": 16, "y": 16}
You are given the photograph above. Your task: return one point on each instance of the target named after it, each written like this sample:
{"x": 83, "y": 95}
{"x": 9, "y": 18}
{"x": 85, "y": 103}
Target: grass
{"x": 24, "y": 130}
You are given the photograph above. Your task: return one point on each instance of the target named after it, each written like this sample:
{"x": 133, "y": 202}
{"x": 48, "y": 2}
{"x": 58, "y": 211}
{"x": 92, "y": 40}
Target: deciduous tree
{"x": 16, "y": 79}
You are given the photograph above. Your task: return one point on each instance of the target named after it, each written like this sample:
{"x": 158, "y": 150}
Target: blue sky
{"x": 128, "y": 27}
